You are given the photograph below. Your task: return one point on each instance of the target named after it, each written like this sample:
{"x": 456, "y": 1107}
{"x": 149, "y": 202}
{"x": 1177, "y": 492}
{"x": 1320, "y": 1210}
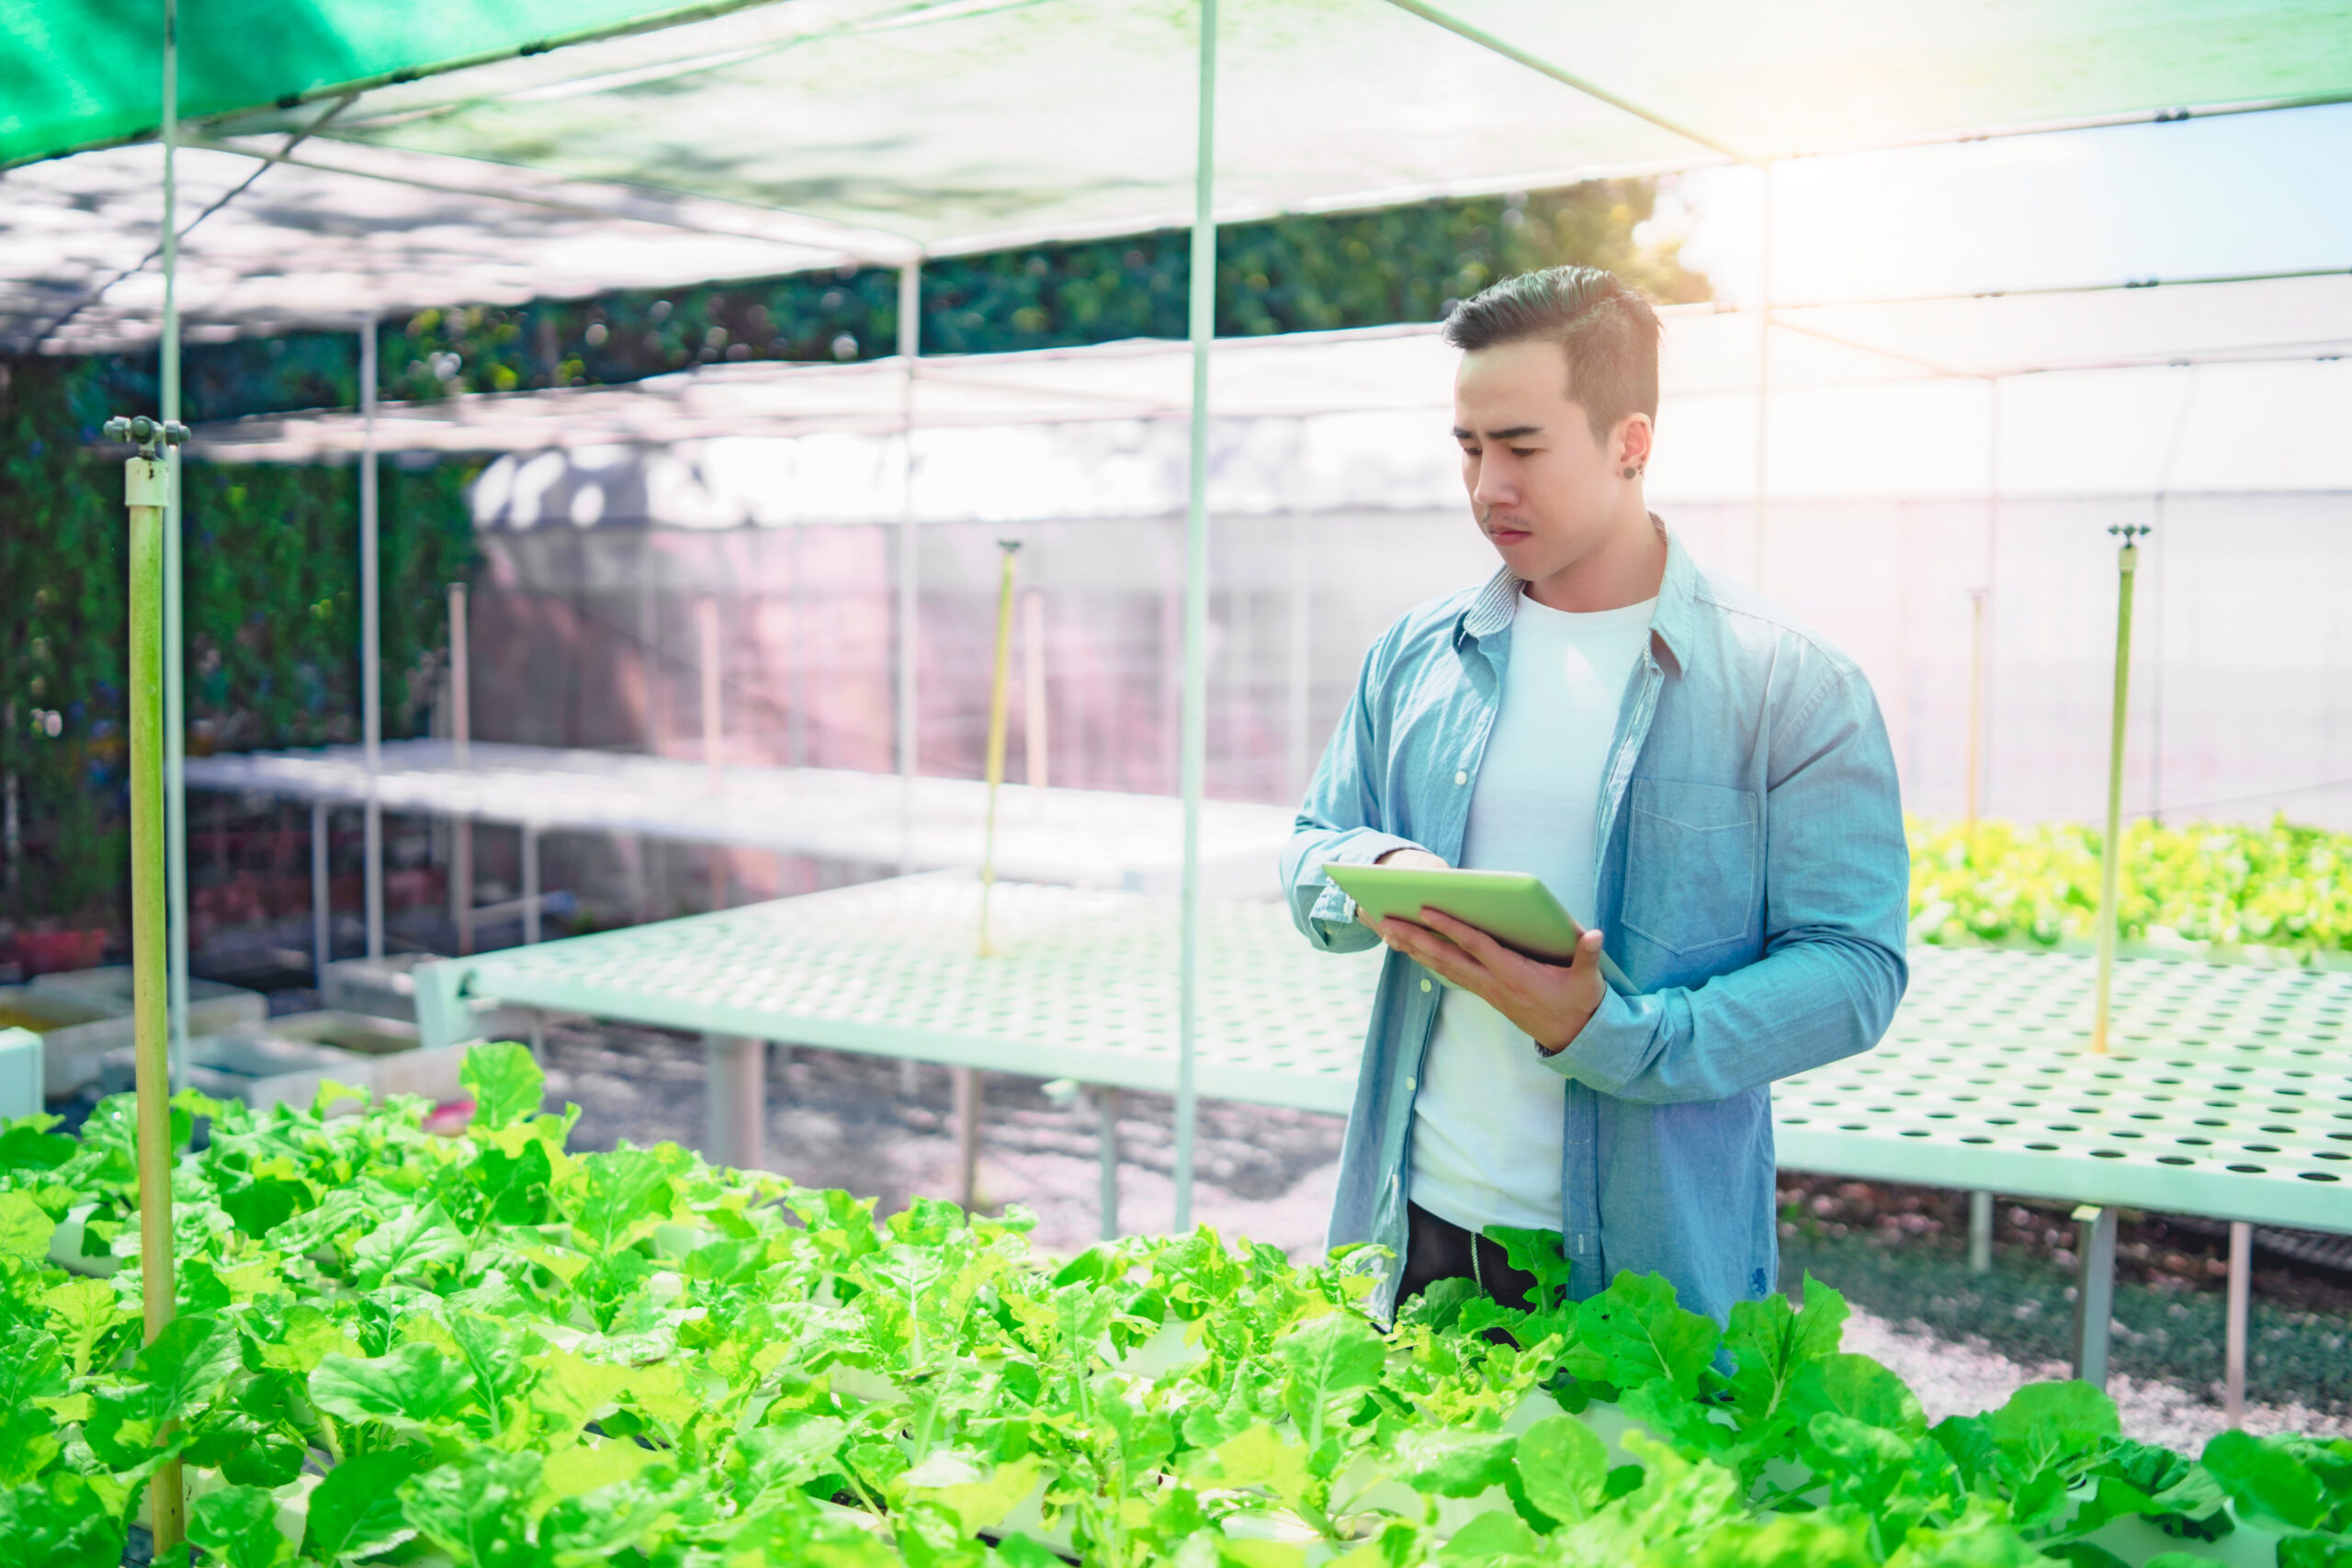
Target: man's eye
{"x": 1522, "y": 451}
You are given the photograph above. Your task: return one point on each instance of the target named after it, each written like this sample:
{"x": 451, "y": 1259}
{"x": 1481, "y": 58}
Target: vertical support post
{"x": 531, "y": 884}
{"x": 909, "y": 349}
{"x": 1979, "y": 1233}
{"x": 1763, "y": 374}
{"x": 321, "y": 897}
{"x": 735, "y": 1094}
{"x": 1300, "y": 765}
{"x": 2093, "y": 1290}
{"x": 1106, "y": 1152}
{"x": 147, "y": 495}
{"x": 713, "y": 734}
{"x": 174, "y": 635}
{"x": 371, "y": 645}
{"x": 1033, "y": 687}
{"x": 2110, "y": 857}
{"x": 1979, "y": 781}
{"x": 968, "y": 1137}
{"x": 1194, "y": 745}
{"x": 461, "y": 733}
{"x": 1975, "y": 703}
{"x": 648, "y": 647}
{"x": 999, "y": 697}
{"x": 796, "y": 713}
{"x": 2241, "y": 1304}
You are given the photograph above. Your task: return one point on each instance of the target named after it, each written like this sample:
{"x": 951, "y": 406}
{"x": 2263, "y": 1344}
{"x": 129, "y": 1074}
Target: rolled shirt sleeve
{"x": 1341, "y": 821}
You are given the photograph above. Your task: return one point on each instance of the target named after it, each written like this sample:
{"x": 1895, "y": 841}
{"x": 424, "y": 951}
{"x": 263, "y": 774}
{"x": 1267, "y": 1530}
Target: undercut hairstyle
{"x": 1607, "y": 329}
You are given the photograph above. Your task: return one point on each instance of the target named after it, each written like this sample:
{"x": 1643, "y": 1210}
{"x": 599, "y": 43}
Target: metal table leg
{"x": 968, "y": 1136}
{"x": 2093, "y": 1290}
{"x": 1106, "y": 1143}
{"x": 734, "y": 1100}
{"x": 2235, "y": 1333}
{"x": 1979, "y": 1233}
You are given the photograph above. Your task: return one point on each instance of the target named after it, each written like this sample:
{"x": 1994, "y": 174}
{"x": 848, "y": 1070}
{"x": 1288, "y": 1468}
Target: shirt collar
{"x": 1671, "y": 623}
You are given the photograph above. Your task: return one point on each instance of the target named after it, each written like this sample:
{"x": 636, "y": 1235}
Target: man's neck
{"x": 1624, "y": 569}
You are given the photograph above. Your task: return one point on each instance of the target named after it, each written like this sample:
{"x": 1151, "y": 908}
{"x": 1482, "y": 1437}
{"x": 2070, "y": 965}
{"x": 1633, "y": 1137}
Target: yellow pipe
{"x": 146, "y": 490}
{"x": 2127, "y": 562}
{"x": 998, "y": 688}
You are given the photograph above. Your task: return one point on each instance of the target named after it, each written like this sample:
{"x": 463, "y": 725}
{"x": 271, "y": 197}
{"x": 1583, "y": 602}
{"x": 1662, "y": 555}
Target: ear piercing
{"x": 1634, "y": 470}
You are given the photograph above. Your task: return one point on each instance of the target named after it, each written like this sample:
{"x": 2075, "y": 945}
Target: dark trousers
{"x": 1439, "y": 1249}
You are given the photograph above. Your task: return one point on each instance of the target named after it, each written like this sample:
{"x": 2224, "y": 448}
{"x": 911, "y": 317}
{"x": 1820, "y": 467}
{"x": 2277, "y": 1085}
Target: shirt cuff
{"x": 1334, "y": 909}
{"x": 1617, "y": 1033}
{"x": 1334, "y": 912}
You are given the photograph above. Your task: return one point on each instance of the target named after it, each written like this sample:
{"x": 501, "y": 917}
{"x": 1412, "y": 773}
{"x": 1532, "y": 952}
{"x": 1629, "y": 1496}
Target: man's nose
{"x": 1494, "y": 487}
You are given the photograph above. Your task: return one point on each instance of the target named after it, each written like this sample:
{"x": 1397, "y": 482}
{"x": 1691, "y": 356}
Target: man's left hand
{"x": 1548, "y": 1002}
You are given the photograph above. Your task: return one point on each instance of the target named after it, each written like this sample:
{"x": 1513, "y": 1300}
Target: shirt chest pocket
{"x": 1694, "y": 856}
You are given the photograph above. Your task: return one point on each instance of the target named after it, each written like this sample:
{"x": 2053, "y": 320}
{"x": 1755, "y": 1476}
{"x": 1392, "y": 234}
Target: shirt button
{"x": 1461, "y": 776}
{"x": 1425, "y": 984}
{"x": 1410, "y": 1083}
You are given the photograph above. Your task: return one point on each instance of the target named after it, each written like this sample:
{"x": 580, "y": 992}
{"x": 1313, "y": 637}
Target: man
{"x": 1708, "y": 790}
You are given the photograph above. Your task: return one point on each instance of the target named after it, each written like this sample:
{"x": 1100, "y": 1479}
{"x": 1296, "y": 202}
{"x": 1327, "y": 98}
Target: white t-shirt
{"x": 1488, "y": 1119}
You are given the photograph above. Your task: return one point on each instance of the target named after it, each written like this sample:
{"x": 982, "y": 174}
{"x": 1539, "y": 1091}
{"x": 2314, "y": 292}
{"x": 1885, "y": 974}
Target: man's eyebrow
{"x": 1510, "y": 432}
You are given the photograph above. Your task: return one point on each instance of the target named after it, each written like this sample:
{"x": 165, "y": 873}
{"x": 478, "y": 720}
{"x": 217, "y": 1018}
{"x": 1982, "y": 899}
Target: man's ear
{"x": 1630, "y": 446}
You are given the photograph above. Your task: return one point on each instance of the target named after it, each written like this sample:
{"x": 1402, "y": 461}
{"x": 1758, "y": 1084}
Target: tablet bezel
{"x": 1515, "y": 907}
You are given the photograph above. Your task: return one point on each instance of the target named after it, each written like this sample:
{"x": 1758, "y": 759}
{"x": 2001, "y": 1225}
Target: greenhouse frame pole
{"x": 174, "y": 640}
{"x": 909, "y": 346}
{"x": 1763, "y": 374}
{"x": 2111, "y": 859}
{"x": 371, "y": 637}
{"x": 147, "y": 494}
{"x": 1193, "y": 739}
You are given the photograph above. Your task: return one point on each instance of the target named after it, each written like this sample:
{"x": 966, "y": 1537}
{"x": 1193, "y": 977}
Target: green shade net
{"x": 77, "y": 74}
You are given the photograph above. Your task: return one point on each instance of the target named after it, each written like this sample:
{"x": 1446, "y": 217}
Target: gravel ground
{"x": 1900, "y": 1253}
{"x": 1964, "y": 1342}
{"x": 866, "y": 1123}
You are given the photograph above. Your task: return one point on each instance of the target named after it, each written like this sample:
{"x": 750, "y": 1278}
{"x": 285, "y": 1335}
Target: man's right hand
{"x": 1409, "y": 858}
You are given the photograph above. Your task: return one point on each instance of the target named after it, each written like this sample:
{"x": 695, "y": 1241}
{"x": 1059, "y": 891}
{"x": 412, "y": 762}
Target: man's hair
{"x": 1607, "y": 329}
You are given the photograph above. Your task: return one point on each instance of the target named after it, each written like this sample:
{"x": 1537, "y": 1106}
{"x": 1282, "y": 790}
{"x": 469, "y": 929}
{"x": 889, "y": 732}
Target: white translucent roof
{"x": 956, "y": 125}
{"x": 1705, "y": 352}
{"x": 978, "y": 121}
{"x": 310, "y": 247}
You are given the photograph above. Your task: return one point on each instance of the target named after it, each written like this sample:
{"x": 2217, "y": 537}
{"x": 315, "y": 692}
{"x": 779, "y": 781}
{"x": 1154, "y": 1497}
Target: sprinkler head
{"x": 145, "y": 434}
{"x": 2129, "y": 531}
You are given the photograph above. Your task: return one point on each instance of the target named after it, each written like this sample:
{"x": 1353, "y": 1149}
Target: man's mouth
{"x": 1504, "y": 533}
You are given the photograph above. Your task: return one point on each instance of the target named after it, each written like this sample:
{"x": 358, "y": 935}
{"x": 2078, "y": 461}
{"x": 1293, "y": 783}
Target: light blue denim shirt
{"x": 1753, "y": 883}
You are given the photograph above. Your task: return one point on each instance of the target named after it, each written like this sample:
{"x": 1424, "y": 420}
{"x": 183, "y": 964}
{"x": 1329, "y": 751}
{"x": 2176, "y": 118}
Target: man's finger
{"x": 1478, "y": 944}
{"x": 1434, "y": 952}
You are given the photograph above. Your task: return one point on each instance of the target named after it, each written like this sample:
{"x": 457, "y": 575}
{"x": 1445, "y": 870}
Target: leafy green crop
{"x": 487, "y": 1352}
{"x": 2222, "y": 884}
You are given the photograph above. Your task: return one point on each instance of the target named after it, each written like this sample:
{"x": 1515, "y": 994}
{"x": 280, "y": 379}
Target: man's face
{"x": 1543, "y": 489}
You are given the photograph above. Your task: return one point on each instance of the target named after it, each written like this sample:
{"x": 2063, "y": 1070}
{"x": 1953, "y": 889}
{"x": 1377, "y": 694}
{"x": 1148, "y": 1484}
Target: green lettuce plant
{"x": 490, "y": 1352}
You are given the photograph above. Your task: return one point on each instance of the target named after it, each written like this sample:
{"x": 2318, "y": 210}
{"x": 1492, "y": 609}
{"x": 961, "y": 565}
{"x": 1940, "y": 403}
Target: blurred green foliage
{"x": 2222, "y": 884}
{"x": 272, "y": 621}
{"x": 1297, "y": 274}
